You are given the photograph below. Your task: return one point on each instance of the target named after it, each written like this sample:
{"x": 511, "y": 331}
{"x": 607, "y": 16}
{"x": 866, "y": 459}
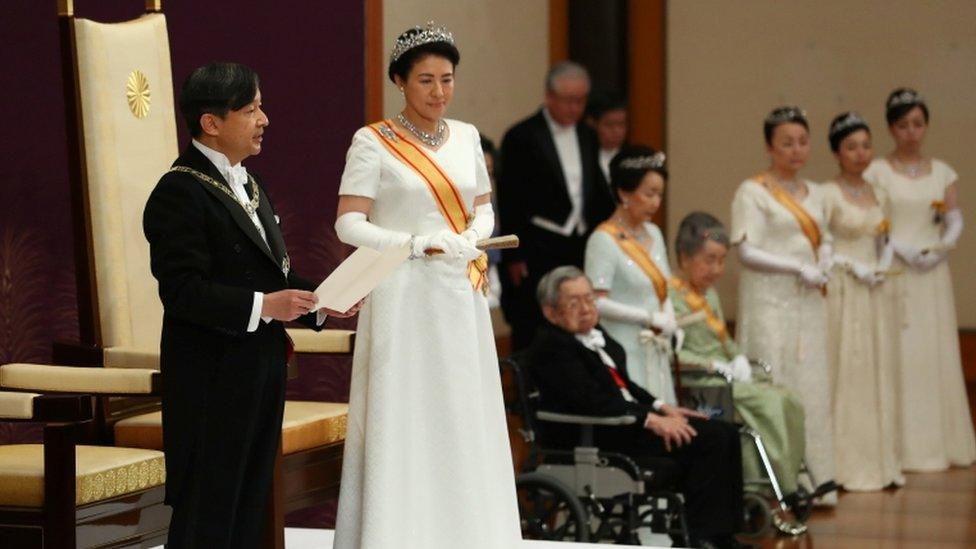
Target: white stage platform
{"x": 307, "y": 538}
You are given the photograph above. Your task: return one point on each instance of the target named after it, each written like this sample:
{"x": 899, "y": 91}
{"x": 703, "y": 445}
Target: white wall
{"x": 729, "y": 63}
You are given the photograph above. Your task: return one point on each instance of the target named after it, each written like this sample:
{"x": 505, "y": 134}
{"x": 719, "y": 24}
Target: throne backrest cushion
{"x": 129, "y": 140}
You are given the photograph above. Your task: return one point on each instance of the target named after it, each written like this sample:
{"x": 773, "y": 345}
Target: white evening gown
{"x": 862, "y": 338}
{"x": 937, "y": 430}
{"x": 781, "y": 320}
{"x": 427, "y": 461}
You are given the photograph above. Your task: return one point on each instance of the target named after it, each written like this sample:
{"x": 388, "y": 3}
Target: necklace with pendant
{"x": 432, "y": 140}
{"x": 856, "y": 191}
{"x": 640, "y": 237}
{"x": 912, "y": 170}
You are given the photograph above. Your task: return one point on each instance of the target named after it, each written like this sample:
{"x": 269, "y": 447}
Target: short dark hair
{"x": 626, "y": 178}
{"x": 783, "y": 115}
{"x": 216, "y": 89}
{"x": 602, "y": 102}
{"x": 401, "y": 67}
{"x": 836, "y": 136}
{"x": 894, "y": 113}
{"x": 694, "y": 230}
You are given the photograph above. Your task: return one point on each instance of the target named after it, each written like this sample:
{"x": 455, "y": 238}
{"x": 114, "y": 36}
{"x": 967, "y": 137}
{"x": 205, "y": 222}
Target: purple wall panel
{"x": 310, "y": 60}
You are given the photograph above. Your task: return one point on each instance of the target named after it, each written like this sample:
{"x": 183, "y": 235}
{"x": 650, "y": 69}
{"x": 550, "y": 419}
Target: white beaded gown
{"x": 862, "y": 343}
{"x": 937, "y": 429}
{"x": 427, "y": 460}
{"x": 780, "y": 319}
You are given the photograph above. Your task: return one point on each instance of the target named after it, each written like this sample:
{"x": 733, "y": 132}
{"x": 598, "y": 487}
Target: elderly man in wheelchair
{"x": 580, "y": 371}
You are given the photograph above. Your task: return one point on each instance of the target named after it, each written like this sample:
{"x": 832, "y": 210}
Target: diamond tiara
{"x": 851, "y": 120}
{"x": 906, "y": 97}
{"x": 647, "y": 162}
{"x": 424, "y": 35}
{"x": 785, "y": 114}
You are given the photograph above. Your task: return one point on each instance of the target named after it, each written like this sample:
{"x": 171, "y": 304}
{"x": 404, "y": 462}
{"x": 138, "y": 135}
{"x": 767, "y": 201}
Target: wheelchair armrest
{"x": 554, "y": 417}
{"x": 695, "y": 372}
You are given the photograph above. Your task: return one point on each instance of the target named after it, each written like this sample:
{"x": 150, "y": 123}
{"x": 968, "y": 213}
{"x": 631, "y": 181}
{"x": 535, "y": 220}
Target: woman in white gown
{"x": 937, "y": 430}
{"x": 862, "y": 332}
{"x": 427, "y": 460}
{"x": 627, "y": 260}
{"x": 777, "y": 221}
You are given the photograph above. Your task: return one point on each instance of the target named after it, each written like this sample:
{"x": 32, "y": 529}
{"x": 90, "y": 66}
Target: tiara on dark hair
{"x": 785, "y": 114}
{"x": 906, "y": 97}
{"x": 424, "y": 35}
{"x": 851, "y": 120}
{"x": 647, "y": 162}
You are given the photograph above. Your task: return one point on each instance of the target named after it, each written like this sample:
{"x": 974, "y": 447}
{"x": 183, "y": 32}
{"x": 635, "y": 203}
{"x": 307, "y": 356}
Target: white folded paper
{"x": 358, "y": 275}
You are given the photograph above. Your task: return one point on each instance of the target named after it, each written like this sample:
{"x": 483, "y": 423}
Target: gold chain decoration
{"x": 249, "y": 207}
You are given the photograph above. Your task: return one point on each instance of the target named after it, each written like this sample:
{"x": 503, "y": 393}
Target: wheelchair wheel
{"x": 549, "y": 510}
{"x": 758, "y": 517}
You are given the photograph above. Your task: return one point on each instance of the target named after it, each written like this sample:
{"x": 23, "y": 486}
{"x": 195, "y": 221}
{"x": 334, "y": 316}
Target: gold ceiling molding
{"x": 137, "y": 93}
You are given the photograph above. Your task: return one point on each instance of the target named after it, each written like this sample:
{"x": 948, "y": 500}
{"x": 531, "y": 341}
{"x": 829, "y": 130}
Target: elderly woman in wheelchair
{"x": 580, "y": 371}
{"x": 723, "y": 383}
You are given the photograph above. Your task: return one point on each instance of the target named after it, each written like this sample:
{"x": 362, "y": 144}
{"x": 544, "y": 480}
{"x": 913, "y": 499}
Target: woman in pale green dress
{"x": 627, "y": 260}
{"x": 773, "y": 411}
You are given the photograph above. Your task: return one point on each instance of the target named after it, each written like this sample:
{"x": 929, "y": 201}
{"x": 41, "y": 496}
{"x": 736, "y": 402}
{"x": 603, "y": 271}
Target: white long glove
{"x": 664, "y": 320}
{"x": 737, "y": 369}
{"x": 864, "y": 273}
{"x": 909, "y": 254}
{"x": 482, "y": 225}
{"x": 454, "y": 246}
{"x": 354, "y": 229}
{"x": 825, "y": 257}
{"x": 953, "y": 228}
{"x": 950, "y": 235}
{"x": 811, "y": 275}
{"x": 741, "y": 369}
{"x": 621, "y": 312}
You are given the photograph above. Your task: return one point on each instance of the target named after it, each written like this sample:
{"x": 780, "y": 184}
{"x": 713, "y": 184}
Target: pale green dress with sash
{"x": 770, "y": 409}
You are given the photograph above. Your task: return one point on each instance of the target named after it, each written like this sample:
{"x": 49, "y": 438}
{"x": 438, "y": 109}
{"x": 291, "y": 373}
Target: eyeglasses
{"x": 579, "y": 302}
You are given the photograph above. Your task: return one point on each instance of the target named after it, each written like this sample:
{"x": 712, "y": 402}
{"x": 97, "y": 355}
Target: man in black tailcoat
{"x": 226, "y": 287}
{"x": 550, "y": 193}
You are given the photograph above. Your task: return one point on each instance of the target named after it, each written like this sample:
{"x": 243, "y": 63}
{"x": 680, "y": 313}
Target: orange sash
{"x": 807, "y": 224}
{"x": 639, "y": 254}
{"x": 697, "y": 302}
{"x": 445, "y": 194}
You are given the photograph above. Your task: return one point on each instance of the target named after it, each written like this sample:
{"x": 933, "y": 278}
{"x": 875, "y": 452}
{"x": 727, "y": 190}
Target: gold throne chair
{"x": 125, "y": 115}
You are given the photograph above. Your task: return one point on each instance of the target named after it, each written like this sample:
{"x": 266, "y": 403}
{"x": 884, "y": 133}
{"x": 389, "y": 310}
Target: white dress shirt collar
{"x": 556, "y": 127}
{"x": 234, "y": 175}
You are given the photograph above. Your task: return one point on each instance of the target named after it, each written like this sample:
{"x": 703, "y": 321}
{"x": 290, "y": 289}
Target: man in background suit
{"x": 226, "y": 286}
{"x": 550, "y": 194}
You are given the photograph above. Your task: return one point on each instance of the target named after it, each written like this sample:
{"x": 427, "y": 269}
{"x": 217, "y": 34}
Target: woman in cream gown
{"x": 862, "y": 334}
{"x": 937, "y": 429}
{"x": 427, "y": 462}
{"x": 628, "y": 281}
{"x": 777, "y": 222}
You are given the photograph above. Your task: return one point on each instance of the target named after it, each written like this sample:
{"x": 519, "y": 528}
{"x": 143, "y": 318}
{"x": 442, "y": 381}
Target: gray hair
{"x": 547, "y": 292}
{"x": 563, "y": 70}
{"x": 695, "y": 229}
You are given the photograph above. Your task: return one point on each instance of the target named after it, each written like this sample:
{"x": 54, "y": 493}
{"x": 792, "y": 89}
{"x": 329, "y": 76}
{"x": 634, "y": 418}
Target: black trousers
{"x": 709, "y": 476}
{"x": 543, "y": 252}
{"x": 224, "y": 503}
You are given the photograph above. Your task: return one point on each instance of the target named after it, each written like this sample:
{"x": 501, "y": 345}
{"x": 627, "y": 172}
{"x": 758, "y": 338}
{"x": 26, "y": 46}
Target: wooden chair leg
{"x": 274, "y": 537}
{"x": 59, "y": 486}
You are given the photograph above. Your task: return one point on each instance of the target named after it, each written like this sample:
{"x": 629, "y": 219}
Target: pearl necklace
{"x": 432, "y": 140}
